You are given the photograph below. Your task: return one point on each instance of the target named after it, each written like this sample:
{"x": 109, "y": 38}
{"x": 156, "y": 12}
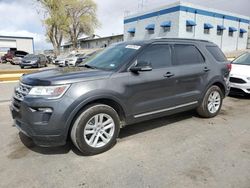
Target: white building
{"x": 95, "y": 42}
{"x": 16, "y": 43}
{"x": 229, "y": 31}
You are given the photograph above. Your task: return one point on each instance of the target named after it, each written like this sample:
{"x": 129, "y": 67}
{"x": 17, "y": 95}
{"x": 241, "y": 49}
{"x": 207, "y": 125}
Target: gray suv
{"x": 126, "y": 83}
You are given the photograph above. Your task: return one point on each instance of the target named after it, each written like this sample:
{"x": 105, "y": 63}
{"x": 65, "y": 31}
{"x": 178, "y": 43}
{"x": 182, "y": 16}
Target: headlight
{"x": 52, "y": 92}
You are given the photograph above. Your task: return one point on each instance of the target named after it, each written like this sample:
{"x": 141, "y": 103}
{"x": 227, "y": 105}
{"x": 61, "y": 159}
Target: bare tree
{"x": 82, "y": 19}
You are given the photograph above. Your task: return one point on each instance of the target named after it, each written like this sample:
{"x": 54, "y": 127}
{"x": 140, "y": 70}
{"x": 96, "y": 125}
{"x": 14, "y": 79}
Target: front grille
{"x": 237, "y": 80}
{"x": 21, "y": 91}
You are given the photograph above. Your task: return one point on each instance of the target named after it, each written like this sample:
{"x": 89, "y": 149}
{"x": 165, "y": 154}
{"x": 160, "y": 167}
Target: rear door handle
{"x": 206, "y": 69}
{"x": 168, "y": 74}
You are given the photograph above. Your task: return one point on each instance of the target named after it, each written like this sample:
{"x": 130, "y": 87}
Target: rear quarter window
{"x": 216, "y": 52}
{"x": 186, "y": 54}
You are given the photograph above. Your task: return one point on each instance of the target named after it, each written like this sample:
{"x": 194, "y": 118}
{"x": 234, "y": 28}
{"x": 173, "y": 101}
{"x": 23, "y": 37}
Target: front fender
{"x": 87, "y": 98}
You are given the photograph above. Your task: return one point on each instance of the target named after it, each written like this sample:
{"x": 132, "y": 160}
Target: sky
{"x": 22, "y": 17}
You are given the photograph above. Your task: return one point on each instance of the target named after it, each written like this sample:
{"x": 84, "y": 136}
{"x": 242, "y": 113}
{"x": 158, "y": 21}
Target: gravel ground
{"x": 176, "y": 151}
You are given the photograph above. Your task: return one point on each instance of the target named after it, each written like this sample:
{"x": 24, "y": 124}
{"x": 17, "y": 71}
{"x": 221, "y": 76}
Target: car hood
{"x": 242, "y": 70}
{"x": 64, "y": 76}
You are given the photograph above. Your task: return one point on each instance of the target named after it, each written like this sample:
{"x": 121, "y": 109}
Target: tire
{"x": 210, "y": 107}
{"x": 92, "y": 143}
{"x": 22, "y": 67}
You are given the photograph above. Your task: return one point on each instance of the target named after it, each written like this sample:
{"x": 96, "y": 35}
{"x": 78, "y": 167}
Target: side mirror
{"x": 141, "y": 67}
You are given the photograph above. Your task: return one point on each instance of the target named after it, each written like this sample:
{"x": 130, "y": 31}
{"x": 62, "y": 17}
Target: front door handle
{"x": 168, "y": 75}
{"x": 206, "y": 69}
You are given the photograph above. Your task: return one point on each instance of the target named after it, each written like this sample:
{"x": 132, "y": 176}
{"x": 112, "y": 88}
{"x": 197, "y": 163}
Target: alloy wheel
{"x": 99, "y": 130}
{"x": 214, "y": 102}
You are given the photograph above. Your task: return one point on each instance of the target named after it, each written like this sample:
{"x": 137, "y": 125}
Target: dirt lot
{"x": 177, "y": 151}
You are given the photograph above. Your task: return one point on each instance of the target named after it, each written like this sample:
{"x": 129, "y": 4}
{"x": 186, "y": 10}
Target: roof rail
{"x": 201, "y": 40}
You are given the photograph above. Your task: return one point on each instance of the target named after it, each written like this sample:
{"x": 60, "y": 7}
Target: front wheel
{"x": 95, "y": 129}
{"x": 211, "y": 103}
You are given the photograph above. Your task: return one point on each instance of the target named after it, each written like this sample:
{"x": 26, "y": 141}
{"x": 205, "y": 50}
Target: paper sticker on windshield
{"x": 135, "y": 47}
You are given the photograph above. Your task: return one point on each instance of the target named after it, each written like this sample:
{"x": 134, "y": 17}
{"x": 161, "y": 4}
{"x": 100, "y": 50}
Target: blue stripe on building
{"x": 186, "y": 9}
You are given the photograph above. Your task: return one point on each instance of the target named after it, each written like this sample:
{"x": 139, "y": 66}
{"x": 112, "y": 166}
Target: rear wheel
{"x": 95, "y": 129}
{"x": 211, "y": 103}
{"x": 22, "y": 67}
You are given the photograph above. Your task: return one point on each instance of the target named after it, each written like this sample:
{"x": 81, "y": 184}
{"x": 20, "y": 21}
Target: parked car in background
{"x": 7, "y": 57}
{"x": 240, "y": 75}
{"x": 126, "y": 83}
{"x": 13, "y": 56}
{"x": 18, "y": 56}
{"x": 69, "y": 58}
{"x": 32, "y": 60}
{"x": 72, "y": 59}
{"x": 50, "y": 59}
{"x": 60, "y": 59}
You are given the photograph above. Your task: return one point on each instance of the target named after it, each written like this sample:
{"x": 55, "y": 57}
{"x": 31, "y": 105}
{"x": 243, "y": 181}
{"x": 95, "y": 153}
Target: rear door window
{"x": 216, "y": 53}
{"x": 185, "y": 54}
{"x": 158, "y": 55}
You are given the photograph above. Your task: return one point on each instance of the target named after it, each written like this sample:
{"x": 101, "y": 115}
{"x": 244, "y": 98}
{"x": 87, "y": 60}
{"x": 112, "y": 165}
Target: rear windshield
{"x": 216, "y": 53}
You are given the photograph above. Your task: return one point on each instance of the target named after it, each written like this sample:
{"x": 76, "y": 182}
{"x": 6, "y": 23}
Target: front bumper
{"x": 243, "y": 87}
{"x": 45, "y": 129}
{"x": 29, "y": 64}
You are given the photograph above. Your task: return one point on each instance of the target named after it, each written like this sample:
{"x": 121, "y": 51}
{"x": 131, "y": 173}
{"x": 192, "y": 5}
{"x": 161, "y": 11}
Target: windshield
{"x": 243, "y": 59}
{"x": 112, "y": 57}
{"x": 30, "y": 56}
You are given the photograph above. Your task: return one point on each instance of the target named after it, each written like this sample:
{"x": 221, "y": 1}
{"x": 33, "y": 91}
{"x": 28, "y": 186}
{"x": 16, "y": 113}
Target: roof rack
{"x": 201, "y": 40}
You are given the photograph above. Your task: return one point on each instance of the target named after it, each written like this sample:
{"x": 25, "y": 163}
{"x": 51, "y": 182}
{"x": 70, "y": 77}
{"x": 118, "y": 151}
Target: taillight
{"x": 229, "y": 67}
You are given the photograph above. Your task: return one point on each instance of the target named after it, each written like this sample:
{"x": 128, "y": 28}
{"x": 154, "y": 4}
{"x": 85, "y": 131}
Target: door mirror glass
{"x": 141, "y": 66}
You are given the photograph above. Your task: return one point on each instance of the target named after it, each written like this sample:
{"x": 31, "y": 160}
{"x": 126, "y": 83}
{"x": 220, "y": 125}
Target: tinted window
{"x": 157, "y": 55}
{"x": 185, "y": 54}
{"x": 216, "y": 53}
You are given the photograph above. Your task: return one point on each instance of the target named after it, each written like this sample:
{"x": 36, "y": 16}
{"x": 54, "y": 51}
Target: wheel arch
{"x": 221, "y": 86}
{"x": 107, "y": 100}
{"x": 218, "y": 81}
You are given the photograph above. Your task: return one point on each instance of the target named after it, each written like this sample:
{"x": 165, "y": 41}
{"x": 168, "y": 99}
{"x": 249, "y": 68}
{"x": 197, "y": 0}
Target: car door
{"x": 153, "y": 90}
{"x": 191, "y": 72}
